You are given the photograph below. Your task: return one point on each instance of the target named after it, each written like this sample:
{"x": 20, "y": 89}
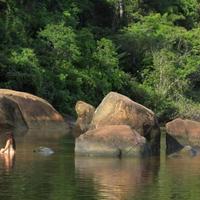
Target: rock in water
{"x": 184, "y": 132}
{"x": 117, "y": 109}
{"x": 23, "y": 111}
{"x": 45, "y": 151}
{"x": 186, "y": 151}
{"x": 113, "y": 140}
{"x": 11, "y": 115}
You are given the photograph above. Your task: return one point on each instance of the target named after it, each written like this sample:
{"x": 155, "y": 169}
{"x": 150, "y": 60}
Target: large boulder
{"x": 10, "y": 115}
{"x": 85, "y": 113}
{"x": 117, "y": 109}
{"x": 113, "y": 140}
{"x": 184, "y": 132}
{"x": 20, "y": 110}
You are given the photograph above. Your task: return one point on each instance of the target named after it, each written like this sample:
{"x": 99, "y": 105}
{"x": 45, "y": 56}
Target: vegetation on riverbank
{"x": 69, "y": 50}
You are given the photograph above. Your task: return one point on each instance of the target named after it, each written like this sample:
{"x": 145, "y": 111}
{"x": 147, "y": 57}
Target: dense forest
{"x": 69, "y": 50}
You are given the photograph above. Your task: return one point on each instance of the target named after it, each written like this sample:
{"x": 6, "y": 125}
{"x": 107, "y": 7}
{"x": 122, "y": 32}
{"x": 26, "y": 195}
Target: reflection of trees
{"x": 35, "y": 177}
{"x": 117, "y": 178}
{"x": 179, "y": 179}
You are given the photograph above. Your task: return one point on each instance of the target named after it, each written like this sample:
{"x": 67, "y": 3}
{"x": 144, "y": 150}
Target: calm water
{"x": 30, "y": 176}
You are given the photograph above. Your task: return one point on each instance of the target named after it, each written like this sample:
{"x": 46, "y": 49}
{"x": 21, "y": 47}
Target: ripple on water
{"x": 62, "y": 176}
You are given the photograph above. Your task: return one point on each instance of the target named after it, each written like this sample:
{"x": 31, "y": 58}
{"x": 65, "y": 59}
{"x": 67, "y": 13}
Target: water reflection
{"x": 116, "y": 179}
{"x": 50, "y": 133}
{"x": 58, "y": 177}
{"x": 8, "y": 161}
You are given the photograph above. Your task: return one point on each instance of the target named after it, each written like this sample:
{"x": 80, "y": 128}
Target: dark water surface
{"x": 61, "y": 176}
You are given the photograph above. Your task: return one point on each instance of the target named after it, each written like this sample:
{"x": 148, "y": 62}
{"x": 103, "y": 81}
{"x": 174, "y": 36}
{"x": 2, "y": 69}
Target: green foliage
{"x": 105, "y": 55}
{"x": 87, "y": 46}
{"x": 163, "y": 77}
{"x": 72, "y": 50}
{"x": 24, "y": 72}
{"x": 140, "y": 39}
{"x": 188, "y": 10}
{"x": 63, "y": 40}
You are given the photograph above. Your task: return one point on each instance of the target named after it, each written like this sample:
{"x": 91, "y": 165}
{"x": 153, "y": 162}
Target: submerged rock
{"x": 113, "y": 140}
{"x": 21, "y": 110}
{"x": 45, "y": 151}
{"x": 117, "y": 109}
{"x": 185, "y": 151}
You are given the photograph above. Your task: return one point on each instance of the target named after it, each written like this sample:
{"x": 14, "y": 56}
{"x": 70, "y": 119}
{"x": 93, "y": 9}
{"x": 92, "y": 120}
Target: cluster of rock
{"x": 117, "y": 127}
{"x": 121, "y": 127}
{"x": 21, "y": 111}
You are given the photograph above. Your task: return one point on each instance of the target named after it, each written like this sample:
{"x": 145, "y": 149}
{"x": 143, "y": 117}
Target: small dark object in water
{"x": 45, "y": 151}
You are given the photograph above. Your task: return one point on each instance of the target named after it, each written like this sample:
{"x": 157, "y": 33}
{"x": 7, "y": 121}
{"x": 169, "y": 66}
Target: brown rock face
{"x": 113, "y": 140}
{"x": 85, "y": 113}
{"x": 10, "y": 115}
{"x": 23, "y": 110}
{"x": 117, "y": 109}
{"x": 186, "y": 132}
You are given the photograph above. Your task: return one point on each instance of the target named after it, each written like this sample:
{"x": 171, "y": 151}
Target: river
{"x": 62, "y": 176}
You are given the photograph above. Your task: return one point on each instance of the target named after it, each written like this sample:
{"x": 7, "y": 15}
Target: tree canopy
{"x": 67, "y": 50}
